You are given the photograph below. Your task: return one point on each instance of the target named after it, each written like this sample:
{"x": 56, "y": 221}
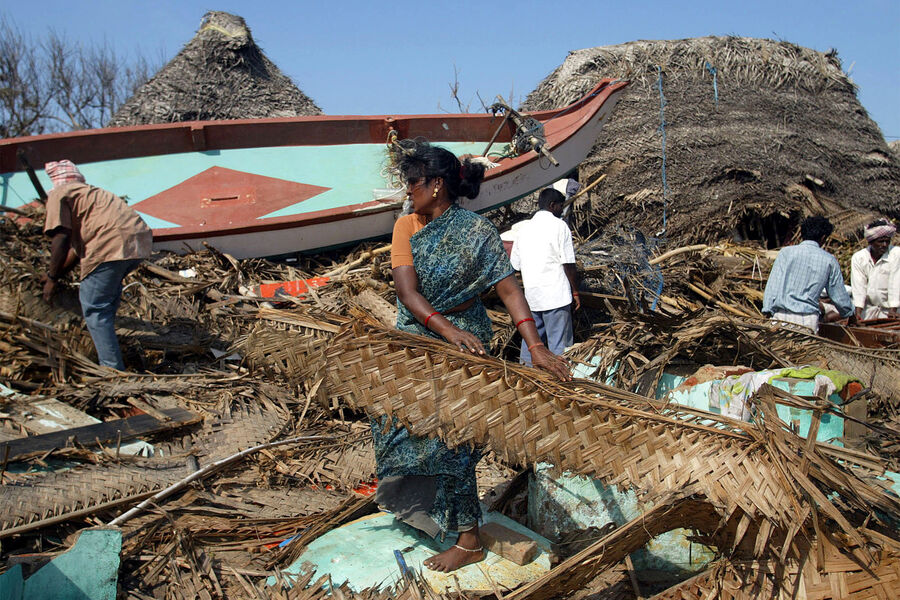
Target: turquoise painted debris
{"x": 87, "y": 571}
{"x": 831, "y": 427}
{"x": 362, "y": 554}
{"x": 558, "y": 504}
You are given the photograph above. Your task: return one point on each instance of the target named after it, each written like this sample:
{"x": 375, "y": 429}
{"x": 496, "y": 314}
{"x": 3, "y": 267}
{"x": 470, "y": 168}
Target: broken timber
{"x": 98, "y": 434}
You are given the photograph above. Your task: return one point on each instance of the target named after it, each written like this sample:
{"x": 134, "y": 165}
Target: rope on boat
{"x": 714, "y": 73}
{"x": 529, "y": 136}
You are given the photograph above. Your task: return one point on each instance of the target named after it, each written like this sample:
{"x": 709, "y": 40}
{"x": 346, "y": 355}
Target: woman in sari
{"x": 443, "y": 257}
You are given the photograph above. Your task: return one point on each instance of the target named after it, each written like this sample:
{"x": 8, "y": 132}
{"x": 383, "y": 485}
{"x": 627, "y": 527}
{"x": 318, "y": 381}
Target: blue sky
{"x": 355, "y": 57}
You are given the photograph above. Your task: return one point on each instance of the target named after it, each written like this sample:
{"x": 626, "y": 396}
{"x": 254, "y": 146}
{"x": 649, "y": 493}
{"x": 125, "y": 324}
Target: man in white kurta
{"x": 875, "y": 274}
{"x": 544, "y": 253}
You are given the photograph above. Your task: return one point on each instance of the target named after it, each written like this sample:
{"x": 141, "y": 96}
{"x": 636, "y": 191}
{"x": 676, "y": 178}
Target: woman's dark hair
{"x": 418, "y": 158}
{"x": 815, "y": 228}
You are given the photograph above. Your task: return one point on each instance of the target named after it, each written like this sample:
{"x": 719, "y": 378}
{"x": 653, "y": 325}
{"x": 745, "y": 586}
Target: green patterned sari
{"x": 457, "y": 257}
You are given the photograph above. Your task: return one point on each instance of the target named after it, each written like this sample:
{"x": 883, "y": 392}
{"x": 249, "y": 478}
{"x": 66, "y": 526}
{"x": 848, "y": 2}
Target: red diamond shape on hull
{"x": 220, "y": 198}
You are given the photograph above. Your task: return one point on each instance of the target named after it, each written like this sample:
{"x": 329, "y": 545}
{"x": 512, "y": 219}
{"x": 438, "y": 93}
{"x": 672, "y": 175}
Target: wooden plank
{"x": 101, "y": 433}
{"x": 50, "y": 415}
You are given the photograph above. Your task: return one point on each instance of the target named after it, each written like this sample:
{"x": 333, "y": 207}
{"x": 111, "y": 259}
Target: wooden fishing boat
{"x": 267, "y": 187}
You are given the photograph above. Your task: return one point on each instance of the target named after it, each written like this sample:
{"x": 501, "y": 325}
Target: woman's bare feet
{"x": 466, "y": 551}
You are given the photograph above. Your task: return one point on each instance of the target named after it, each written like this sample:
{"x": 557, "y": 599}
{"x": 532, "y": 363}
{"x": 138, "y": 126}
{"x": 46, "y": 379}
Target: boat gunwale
{"x": 137, "y": 141}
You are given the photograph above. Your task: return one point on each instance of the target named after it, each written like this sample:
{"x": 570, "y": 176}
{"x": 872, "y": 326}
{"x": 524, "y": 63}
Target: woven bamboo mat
{"x": 768, "y": 489}
{"x": 50, "y": 498}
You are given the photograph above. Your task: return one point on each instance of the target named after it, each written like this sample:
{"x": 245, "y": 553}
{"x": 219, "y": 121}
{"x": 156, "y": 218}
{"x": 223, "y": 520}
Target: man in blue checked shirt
{"x": 799, "y": 275}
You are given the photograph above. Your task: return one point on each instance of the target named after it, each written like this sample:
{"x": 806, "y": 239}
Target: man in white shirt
{"x": 568, "y": 187}
{"x": 875, "y": 274}
{"x": 544, "y": 253}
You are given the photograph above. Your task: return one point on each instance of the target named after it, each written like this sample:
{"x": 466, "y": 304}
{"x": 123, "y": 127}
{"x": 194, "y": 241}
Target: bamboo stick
{"x": 365, "y": 256}
{"x": 584, "y": 190}
{"x": 676, "y": 252}
{"x": 205, "y": 471}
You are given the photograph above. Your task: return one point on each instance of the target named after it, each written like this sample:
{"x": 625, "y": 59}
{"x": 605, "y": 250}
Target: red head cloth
{"x": 880, "y": 231}
{"x": 63, "y": 172}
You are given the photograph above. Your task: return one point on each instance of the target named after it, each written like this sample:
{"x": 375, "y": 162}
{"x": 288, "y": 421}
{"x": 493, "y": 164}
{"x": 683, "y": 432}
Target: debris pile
{"x": 240, "y": 436}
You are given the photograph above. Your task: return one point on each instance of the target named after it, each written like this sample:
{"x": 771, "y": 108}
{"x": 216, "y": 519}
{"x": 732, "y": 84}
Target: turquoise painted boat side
{"x": 351, "y": 171}
{"x": 266, "y": 187}
{"x": 362, "y": 554}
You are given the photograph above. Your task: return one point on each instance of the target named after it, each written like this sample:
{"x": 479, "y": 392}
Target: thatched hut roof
{"x": 220, "y": 74}
{"x": 786, "y": 137}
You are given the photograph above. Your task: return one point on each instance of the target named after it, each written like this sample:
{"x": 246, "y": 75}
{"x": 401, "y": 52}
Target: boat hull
{"x": 279, "y": 186}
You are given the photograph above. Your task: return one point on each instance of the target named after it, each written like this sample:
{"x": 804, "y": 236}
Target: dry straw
{"x": 775, "y": 134}
{"x": 220, "y": 74}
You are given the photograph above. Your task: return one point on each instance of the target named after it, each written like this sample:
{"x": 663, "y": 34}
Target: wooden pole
{"x": 583, "y": 191}
{"x": 42, "y": 195}
{"x": 364, "y": 257}
{"x": 676, "y": 252}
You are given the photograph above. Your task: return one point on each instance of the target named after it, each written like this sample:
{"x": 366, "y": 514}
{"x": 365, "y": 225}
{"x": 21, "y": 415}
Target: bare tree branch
{"x": 57, "y": 84}
{"x": 22, "y": 106}
{"x": 454, "y": 92}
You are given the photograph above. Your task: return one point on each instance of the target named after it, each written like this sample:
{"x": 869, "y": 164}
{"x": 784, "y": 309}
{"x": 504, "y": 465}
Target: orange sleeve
{"x": 401, "y": 250}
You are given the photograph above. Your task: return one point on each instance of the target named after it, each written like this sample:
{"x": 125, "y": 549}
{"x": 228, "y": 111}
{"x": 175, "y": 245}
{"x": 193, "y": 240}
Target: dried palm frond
{"x": 749, "y": 151}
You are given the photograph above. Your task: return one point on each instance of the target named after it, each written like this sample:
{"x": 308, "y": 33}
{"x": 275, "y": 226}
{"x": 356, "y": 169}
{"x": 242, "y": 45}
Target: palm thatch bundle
{"x": 758, "y": 133}
{"x": 220, "y": 74}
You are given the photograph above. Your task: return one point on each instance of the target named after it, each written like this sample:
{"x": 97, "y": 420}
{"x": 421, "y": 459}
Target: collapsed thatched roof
{"x": 758, "y": 133}
{"x": 220, "y": 74}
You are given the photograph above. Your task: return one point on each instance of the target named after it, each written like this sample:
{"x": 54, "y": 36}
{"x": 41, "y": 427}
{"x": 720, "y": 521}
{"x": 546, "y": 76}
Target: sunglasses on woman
{"x": 414, "y": 182}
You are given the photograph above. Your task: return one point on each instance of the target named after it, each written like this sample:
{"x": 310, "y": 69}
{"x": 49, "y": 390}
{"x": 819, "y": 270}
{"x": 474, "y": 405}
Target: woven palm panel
{"x": 588, "y": 428}
{"x": 611, "y": 584}
{"x": 55, "y": 495}
{"x": 342, "y": 466}
{"x": 725, "y": 582}
{"x": 290, "y": 343}
{"x": 748, "y": 580}
{"x": 245, "y": 423}
{"x": 290, "y": 354}
{"x": 827, "y": 570}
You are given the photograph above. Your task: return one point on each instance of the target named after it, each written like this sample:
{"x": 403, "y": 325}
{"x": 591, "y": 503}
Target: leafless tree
{"x": 22, "y": 105}
{"x": 463, "y": 107}
{"x": 57, "y": 84}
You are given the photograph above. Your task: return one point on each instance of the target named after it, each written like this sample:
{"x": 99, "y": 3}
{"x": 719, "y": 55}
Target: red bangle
{"x": 523, "y": 320}
{"x": 428, "y": 317}
{"x": 535, "y": 346}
